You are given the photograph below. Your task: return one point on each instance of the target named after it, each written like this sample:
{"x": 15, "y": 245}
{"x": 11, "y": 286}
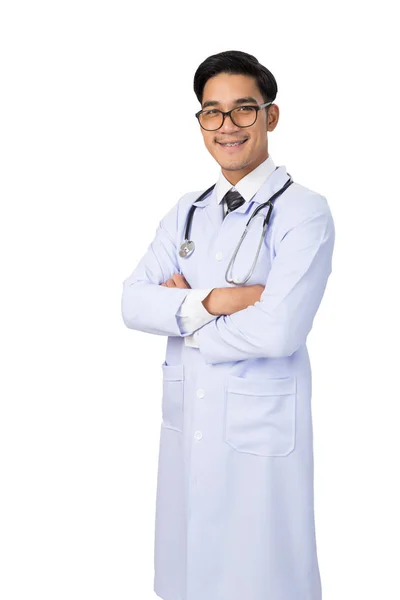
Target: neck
{"x": 234, "y": 176}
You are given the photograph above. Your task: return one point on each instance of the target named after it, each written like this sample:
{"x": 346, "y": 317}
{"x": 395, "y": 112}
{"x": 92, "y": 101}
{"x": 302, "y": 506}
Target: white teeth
{"x": 235, "y": 144}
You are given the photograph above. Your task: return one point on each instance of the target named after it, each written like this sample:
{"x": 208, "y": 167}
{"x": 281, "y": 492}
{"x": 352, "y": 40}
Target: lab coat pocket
{"x": 260, "y": 415}
{"x": 172, "y": 398}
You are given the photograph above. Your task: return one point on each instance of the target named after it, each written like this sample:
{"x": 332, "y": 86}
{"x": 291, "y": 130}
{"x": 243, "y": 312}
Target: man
{"x": 234, "y": 511}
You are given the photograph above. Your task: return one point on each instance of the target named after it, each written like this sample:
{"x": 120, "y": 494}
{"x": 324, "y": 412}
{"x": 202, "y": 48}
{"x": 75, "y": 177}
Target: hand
{"x": 177, "y": 281}
{"x": 228, "y": 300}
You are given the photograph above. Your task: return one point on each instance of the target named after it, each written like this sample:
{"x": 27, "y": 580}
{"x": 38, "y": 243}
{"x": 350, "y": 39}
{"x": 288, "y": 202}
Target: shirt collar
{"x": 249, "y": 185}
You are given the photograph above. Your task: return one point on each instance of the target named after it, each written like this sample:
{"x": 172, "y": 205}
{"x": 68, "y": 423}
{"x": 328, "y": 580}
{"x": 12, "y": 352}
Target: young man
{"x": 235, "y": 506}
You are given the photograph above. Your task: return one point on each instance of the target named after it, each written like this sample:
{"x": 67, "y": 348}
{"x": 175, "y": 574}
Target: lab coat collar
{"x": 249, "y": 185}
{"x": 275, "y": 180}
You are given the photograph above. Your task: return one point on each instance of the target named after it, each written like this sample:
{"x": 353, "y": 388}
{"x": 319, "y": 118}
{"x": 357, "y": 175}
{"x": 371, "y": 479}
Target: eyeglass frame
{"x": 225, "y": 114}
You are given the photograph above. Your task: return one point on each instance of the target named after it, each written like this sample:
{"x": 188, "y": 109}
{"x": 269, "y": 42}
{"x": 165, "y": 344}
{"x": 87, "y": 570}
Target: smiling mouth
{"x": 232, "y": 144}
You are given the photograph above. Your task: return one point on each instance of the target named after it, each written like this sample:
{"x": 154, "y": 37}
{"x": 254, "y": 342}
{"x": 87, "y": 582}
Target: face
{"x": 222, "y": 92}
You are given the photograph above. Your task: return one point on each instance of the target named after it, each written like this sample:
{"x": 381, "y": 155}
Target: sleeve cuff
{"x": 192, "y": 340}
{"x": 192, "y": 314}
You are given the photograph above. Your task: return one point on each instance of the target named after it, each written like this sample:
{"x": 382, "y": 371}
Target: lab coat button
{"x": 200, "y": 393}
{"x": 219, "y": 256}
{"x": 198, "y": 435}
{"x": 236, "y": 279}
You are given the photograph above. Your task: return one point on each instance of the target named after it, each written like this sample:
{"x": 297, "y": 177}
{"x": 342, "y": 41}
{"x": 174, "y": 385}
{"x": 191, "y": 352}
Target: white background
{"x": 90, "y": 162}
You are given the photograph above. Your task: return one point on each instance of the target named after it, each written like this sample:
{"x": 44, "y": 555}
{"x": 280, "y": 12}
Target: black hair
{"x": 237, "y": 63}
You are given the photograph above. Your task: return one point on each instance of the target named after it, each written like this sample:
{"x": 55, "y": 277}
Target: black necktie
{"x": 233, "y": 200}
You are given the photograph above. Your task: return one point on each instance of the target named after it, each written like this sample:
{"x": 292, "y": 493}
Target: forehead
{"x": 226, "y": 88}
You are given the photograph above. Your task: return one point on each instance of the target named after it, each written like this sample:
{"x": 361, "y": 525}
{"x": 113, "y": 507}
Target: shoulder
{"x": 299, "y": 204}
{"x": 174, "y": 218}
{"x": 185, "y": 202}
{"x": 303, "y": 209}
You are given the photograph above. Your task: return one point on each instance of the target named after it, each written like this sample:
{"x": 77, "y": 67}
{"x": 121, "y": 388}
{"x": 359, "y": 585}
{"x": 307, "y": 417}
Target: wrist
{"x": 225, "y": 300}
{"x": 210, "y": 302}
{"x": 228, "y": 300}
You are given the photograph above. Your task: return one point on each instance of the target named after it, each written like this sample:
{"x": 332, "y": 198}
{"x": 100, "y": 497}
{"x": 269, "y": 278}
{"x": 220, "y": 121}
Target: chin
{"x": 234, "y": 166}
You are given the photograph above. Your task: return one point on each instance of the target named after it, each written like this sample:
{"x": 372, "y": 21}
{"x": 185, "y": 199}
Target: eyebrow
{"x": 244, "y": 100}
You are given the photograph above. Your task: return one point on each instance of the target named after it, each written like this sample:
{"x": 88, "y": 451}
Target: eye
{"x": 245, "y": 108}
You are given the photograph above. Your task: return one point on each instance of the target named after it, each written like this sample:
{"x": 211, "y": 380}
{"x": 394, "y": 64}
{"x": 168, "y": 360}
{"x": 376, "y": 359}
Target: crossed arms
{"x": 270, "y": 320}
{"x": 222, "y": 301}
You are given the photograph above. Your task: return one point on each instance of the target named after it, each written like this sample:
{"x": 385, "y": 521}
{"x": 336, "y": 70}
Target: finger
{"x": 180, "y": 281}
{"x": 170, "y": 283}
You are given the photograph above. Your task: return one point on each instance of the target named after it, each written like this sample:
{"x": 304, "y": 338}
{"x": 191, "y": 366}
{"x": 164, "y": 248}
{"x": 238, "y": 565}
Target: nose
{"x": 228, "y": 125}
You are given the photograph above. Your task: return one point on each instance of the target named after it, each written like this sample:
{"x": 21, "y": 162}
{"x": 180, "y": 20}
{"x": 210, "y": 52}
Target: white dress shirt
{"x": 192, "y": 314}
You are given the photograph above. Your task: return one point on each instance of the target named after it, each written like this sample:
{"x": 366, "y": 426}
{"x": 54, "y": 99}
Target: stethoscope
{"x": 187, "y": 247}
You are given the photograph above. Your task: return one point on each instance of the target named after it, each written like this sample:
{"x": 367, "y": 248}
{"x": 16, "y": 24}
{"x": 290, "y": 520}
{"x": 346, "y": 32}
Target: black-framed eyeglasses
{"x": 241, "y": 116}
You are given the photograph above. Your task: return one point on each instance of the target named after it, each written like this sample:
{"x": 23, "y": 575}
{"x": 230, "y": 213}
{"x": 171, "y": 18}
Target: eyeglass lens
{"x": 243, "y": 116}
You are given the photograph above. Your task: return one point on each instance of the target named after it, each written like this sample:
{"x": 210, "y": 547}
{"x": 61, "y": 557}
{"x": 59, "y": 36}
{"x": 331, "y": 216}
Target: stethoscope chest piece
{"x": 186, "y": 248}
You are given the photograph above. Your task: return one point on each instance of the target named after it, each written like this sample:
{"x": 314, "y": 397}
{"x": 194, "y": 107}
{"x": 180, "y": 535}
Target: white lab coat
{"x": 192, "y": 314}
{"x": 235, "y": 507}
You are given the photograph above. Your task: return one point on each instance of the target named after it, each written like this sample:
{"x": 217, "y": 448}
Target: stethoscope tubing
{"x": 269, "y": 203}
{"x": 204, "y": 194}
{"x": 193, "y": 208}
